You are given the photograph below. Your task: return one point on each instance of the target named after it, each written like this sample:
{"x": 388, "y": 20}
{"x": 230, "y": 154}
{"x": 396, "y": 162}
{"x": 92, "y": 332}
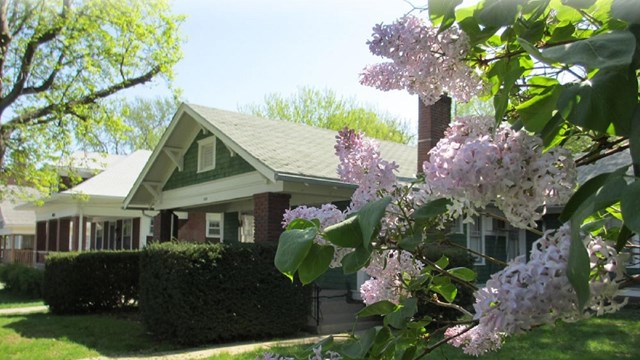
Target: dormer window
{"x": 207, "y": 154}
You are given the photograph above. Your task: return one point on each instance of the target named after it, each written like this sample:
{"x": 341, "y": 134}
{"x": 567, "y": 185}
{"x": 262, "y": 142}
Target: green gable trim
{"x": 226, "y": 165}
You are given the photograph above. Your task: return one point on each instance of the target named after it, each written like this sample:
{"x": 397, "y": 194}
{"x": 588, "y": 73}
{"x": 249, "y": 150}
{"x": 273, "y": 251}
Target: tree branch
{"x": 30, "y": 117}
{"x": 27, "y": 58}
{"x": 48, "y": 82}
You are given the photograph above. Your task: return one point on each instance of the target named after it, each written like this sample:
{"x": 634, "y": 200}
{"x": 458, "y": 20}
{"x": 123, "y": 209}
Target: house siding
{"x": 226, "y": 165}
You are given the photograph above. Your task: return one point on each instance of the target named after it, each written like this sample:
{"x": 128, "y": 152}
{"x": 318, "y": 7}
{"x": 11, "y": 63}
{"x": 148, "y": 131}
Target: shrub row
{"x": 21, "y": 279}
{"x": 91, "y": 281}
{"x": 202, "y": 293}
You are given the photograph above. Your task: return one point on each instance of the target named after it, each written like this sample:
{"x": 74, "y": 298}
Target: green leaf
{"x": 578, "y": 265}
{"x": 431, "y": 209}
{"x": 448, "y": 291}
{"x": 586, "y": 192}
{"x": 551, "y": 133}
{"x": 443, "y": 262}
{"x": 315, "y": 263}
{"x": 579, "y": 4}
{"x": 443, "y": 12}
{"x": 411, "y": 243}
{"x": 302, "y": 224}
{"x": 355, "y": 260}
{"x": 538, "y": 111}
{"x": 498, "y": 13}
{"x": 630, "y": 206}
{"x": 623, "y": 236}
{"x": 357, "y": 349}
{"x": 463, "y": 273}
{"x": 404, "y": 311}
{"x": 627, "y": 10}
{"x": 614, "y": 49}
{"x": 369, "y": 217}
{"x": 383, "y": 307}
{"x": 610, "y": 96}
{"x": 345, "y": 234}
{"x": 293, "y": 247}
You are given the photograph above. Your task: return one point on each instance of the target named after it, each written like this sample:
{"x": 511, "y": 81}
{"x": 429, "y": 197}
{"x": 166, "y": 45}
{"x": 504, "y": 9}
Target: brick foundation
{"x": 268, "y": 209}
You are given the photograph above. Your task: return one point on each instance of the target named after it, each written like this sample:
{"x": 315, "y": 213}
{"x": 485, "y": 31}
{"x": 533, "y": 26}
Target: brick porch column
{"x": 268, "y": 209}
{"x": 433, "y": 120}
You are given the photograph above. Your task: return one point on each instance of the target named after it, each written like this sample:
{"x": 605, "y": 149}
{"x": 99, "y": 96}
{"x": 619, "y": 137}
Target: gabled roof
{"x": 117, "y": 178}
{"x": 87, "y": 164}
{"x": 279, "y": 150}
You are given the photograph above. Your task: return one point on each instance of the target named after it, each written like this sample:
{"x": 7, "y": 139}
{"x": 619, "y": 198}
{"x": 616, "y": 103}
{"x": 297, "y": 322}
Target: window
{"x": 126, "y": 234}
{"x": 207, "y": 154}
{"x": 634, "y": 259}
{"x": 214, "y": 226}
{"x": 99, "y": 236}
{"x": 475, "y": 239}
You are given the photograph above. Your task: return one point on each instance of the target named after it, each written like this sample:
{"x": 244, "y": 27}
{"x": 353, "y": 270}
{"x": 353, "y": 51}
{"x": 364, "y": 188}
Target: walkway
{"x": 24, "y": 310}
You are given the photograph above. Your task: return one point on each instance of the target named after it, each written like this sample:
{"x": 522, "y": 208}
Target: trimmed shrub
{"x": 22, "y": 279}
{"x": 464, "y": 298}
{"x": 202, "y": 293}
{"x": 91, "y": 282}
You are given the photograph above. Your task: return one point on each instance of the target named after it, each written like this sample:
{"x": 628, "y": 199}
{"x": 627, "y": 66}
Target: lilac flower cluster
{"x": 529, "y": 294}
{"x": 388, "y": 270}
{"x": 423, "y": 61}
{"x": 476, "y": 164}
{"x": 361, "y": 164}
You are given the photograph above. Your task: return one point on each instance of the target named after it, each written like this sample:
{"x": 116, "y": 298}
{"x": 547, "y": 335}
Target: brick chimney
{"x": 433, "y": 120}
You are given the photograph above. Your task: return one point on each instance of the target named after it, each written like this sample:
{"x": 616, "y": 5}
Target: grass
{"x": 610, "y": 337}
{"x": 9, "y": 300}
{"x": 45, "y": 336}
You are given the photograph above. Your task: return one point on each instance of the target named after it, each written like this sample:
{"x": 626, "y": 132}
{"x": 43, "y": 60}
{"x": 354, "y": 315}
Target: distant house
{"x": 17, "y": 228}
{"x": 89, "y": 216}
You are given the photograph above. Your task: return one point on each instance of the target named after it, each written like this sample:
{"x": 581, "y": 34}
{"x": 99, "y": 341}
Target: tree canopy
{"x": 136, "y": 124}
{"x": 60, "y": 61}
{"x": 325, "y": 109}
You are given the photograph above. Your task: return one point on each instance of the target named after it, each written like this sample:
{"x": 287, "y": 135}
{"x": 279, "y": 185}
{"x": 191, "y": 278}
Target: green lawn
{"x": 11, "y": 300}
{"x": 612, "y": 337}
{"x": 45, "y": 336}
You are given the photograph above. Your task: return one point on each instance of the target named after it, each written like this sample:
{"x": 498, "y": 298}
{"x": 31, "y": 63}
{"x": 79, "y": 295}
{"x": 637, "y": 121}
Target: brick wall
{"x": 267, "y": 211}
{"x": 193, "y": 228}
{"x": 433, "y": 120}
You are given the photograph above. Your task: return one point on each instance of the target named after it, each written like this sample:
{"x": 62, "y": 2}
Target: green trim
{"x": 226, "y": 166}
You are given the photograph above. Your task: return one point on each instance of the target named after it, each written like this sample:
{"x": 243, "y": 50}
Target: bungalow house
{"x": 221, "y": 176}
{"x": 17, "y": 228}
{"x": 89, "y": 216}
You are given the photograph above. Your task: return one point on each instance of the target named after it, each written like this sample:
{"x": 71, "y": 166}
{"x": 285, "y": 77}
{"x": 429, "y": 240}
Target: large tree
{"x": 325, "y": 109}
{"x": 59, "y": 61}
{"x": 137, "y": 124}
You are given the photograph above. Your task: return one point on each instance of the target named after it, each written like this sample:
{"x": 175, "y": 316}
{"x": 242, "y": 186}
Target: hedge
{"x": 203, "y": 293}
{"x": 22, "y": 279}
{"x": 91, "y": 282}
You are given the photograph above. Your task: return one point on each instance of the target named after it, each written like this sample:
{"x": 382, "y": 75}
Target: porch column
{"x": 268, "y": 209}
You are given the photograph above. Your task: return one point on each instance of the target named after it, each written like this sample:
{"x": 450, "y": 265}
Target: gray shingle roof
{"x": 295, "y": 149}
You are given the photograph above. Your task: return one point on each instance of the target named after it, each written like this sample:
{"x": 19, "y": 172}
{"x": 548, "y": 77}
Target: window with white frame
{"x": 207, "y": 154}
{"x": 214, "y": 226}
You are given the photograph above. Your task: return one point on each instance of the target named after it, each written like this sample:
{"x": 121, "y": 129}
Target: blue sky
{"x": 238, "y": 51}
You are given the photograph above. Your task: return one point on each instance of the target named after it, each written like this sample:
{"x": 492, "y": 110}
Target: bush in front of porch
{"x": 202, "y": 293}
{"x": 91, "y": 282}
